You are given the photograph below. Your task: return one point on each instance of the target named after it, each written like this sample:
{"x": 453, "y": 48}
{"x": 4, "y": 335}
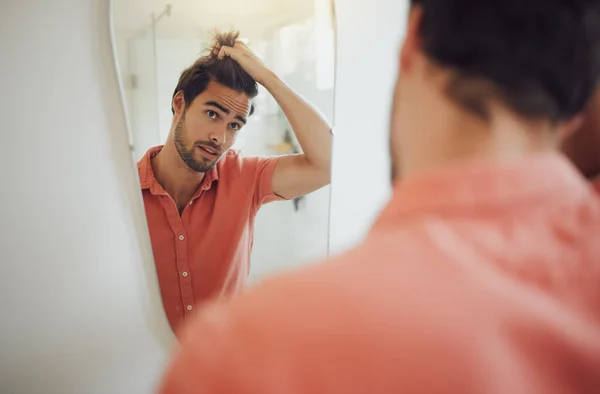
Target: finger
{"x": 242, "y": 46}
{"x": 244, "y": 42}
{"x": 226, "y": 51}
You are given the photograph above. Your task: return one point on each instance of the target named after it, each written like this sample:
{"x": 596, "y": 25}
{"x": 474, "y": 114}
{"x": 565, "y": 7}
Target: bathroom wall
{"x": 81, "y": 311}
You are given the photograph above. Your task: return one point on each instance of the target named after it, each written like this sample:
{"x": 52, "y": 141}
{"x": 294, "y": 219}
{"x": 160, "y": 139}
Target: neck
{"x": 178, "y": 180}
{"x": 455, "y": 136}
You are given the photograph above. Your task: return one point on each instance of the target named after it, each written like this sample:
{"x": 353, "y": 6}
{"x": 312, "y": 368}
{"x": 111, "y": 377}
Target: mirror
{"x": 232, "y": 137}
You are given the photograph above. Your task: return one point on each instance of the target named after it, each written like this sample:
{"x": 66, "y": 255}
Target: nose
{"x": 218, "y": 137}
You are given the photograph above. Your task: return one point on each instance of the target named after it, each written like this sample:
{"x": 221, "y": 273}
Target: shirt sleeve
{"x": 262, "y": 169}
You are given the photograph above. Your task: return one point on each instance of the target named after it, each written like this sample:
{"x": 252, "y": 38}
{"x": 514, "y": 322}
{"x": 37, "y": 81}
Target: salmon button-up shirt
{"x": 205, "y": 252}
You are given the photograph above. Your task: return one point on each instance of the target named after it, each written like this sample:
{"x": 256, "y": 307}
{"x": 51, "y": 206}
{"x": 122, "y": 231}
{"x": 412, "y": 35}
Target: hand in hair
{"x": 247, "y": 60}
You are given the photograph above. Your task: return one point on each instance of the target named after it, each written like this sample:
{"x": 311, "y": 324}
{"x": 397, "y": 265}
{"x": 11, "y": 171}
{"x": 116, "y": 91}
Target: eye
{"x": 212, "y": 114}
{"x": 234, "y": 126}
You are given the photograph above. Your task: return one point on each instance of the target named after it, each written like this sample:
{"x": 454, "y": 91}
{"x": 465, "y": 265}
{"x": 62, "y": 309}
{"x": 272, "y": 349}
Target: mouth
{"x": 208, "y": 152}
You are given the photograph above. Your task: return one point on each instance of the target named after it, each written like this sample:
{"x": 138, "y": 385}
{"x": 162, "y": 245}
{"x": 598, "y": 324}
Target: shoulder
{"x": 231, "y": 160}
{"x": 383, "y": 309}
{"x": 236, "y": 169}
{"x": 360, "y": 299}
{"x": 234, "y": 160}
{"x": 386, "y": 266}
{"x": 144, "y": 166}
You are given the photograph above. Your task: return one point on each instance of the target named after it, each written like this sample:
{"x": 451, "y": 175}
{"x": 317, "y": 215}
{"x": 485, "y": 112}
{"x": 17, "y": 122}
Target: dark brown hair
{"x": 195, "y": 79}
{"x": 540, "y": 57}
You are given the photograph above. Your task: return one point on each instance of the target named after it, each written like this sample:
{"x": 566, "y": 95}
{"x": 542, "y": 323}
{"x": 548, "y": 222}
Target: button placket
{"x": 187, "y": 293}
{"x": 182, "y": 266}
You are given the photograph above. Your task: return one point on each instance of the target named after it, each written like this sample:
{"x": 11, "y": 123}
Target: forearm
{"x": 311, "y": 129}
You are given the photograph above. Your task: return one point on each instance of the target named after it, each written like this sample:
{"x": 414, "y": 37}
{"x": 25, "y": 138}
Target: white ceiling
{"x": 196, "y": 17}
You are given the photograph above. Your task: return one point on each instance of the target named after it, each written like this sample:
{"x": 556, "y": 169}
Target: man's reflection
{"x": 201, "y": 197}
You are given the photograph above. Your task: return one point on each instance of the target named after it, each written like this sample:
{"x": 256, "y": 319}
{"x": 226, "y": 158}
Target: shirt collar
{"x": 148, "y": 180}
{"x": 486, "y": 184}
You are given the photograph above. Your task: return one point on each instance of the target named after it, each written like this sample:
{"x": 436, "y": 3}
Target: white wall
{"x": 80, "y": 306}
{"x": 124, "y": 62}
{"x": 173, "y": 55}
{"x": 367, "y": 60}
{"x": 143, "y": 98}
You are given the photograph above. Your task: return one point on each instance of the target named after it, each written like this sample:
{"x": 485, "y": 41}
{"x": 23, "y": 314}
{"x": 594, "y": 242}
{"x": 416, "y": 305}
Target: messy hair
{"x": 195, "y": 79}
{"x": 541, "y": 58}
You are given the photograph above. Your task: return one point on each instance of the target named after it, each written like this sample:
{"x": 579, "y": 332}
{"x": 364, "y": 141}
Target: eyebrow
{"x": 225, "y": 110}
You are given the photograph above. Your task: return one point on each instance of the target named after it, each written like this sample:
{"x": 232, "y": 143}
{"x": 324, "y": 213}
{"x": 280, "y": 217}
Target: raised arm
{"x": 298, "y": 174}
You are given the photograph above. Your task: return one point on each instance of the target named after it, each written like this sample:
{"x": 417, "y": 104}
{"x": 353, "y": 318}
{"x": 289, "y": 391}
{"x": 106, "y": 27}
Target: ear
{"x": 570, "y": 127}
{"x": 178, "y": 103}
{"x": 412, "y": 41}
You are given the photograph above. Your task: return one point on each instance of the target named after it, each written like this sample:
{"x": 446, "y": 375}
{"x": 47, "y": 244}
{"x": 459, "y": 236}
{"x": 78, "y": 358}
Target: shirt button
{"x": 189, "y": 307}
{"x": 181, "y": 237}
{"x": 184, "y": 273}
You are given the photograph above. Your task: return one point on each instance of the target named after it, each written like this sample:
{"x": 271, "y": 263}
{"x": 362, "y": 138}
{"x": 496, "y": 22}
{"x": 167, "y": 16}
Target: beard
{"x": 187, "y": 155}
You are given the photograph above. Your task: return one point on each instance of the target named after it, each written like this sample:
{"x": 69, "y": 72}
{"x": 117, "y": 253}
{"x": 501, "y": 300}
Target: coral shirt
{"x": 482, "y": 278}
{"x": 205, "y": 252}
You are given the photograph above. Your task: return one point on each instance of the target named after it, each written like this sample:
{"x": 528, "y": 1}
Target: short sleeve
{"x": 263, "y": 169}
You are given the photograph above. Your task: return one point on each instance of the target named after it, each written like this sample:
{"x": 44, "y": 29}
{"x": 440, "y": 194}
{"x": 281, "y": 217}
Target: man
{"x": 201, "y": 197}
{"x": 482, "y": 273}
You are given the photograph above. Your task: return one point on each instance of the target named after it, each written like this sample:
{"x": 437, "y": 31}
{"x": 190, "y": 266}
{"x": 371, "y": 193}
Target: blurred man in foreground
{"x": 482, "y": 273}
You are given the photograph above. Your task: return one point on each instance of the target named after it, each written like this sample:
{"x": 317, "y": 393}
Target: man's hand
{"x": 294, "y": 175}
{"x": 248, "y": 60}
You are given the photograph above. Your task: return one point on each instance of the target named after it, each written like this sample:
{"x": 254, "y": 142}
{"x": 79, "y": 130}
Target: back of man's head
{"x": 541, "y": 58}
{"x": 195, "y": 79}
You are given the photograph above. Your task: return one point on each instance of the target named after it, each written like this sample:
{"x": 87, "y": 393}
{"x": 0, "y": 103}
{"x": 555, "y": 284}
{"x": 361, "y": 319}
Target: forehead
{"x": 237, "y": 103}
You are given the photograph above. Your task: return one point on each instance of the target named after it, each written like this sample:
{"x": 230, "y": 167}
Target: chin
{"x": 209, "y": 165}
